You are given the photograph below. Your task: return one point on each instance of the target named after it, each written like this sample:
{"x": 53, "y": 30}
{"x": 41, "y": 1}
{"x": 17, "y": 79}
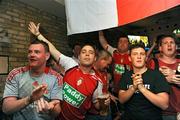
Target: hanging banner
{"x": 93, "y": 15}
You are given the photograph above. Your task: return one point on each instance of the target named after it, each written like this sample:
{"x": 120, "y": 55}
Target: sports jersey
{"x": 174, "y": 98}
{"x": 103, "y": 77}
{"x": 138, "y": 107}
{"x": 20, "y": 84}
{"x": 78, "y": 91}
{"x": 121, "y": 63}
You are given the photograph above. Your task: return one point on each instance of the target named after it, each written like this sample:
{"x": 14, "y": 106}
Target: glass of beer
{"x": 104, "y": 109}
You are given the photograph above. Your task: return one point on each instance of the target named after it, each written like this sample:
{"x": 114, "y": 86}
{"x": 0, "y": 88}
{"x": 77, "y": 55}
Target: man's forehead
{"x": 87, "y": 47}
{"x": 123, "y": 39}
{"x": 138, "y": 50}
{"x": 36, "y": 46}
{"x": 168, "y": 39}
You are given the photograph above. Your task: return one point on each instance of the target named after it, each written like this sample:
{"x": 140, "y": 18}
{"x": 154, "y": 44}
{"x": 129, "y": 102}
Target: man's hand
{"x": 137, "y": 79}
{"x": 141, "y": 87}
{"x": 108, "y": 100}
{"x": 45, "y": 107}
{"x": 166, "y": 71}
{"x": 175, "y": 79}
{"x": 38, "y": 92}
{"x": 113, "y": 98}
{"x": 34, "y": 29}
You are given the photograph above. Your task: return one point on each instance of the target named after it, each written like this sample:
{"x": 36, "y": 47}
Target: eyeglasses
{"x": 167, "y": 43}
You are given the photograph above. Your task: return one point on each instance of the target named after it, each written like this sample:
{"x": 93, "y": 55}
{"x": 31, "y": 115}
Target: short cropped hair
{"x": 45, "y": 45}
{"x": 89, "y": 44}
{"x": 136, "y": 44}
{"x": 165, "y": 36}
{"x": 102, "y": 54}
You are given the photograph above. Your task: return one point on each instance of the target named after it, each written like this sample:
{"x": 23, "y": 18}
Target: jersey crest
{"x": 79, "y": 82}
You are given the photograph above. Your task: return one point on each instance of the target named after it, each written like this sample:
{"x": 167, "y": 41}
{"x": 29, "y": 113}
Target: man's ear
{"x": 78, "y": 57}
{"x": 47, "y": 56}
{"x": 160, "y": 49}
{"x": 95, "y": 59}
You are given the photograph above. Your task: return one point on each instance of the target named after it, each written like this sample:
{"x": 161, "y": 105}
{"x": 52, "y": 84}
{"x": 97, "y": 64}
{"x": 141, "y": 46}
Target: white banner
{"x": 90, "y": 15}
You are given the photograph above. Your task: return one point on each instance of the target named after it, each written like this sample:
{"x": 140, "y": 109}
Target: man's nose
{"x": 31, "y": 54}
{"x": 87, "y": 54}
{"x": 139, "y": 55}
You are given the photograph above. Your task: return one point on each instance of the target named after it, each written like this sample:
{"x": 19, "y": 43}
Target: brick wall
{"x": 14, "y": 19}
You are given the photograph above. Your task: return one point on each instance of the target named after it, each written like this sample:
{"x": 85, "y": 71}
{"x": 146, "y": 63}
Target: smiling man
{"x": 33, "y": 87}
{"x": 80, "y": 86}
{"x": 143, "y": 91}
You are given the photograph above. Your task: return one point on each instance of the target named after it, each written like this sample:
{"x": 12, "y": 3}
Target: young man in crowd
{"x": 167, "y": 64}
{"x": 120, "y": 64}
{"x": 33, "y": 87}
{"x": 120, "y": 57}
{"x": 144, "y": 92}
{"x": 100, "y": 66}
{"x": 81, "y": 86}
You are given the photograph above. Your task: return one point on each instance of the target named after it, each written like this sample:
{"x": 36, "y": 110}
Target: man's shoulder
{"x": 17, "y": 71}
{"x": 53, "y": 72}
{"x": 154, "y": 73}
{"x": 72, "y": 70}
{"x": 128, "y": 72}
{"x": 178, "y": 60}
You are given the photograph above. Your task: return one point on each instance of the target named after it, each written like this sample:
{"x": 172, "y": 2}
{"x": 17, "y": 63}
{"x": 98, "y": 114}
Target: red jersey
{"x": 174, "y": 98}
{"x": 104, "y": 79}
{"x": 103, "y": 76}
{"x": 121, "y": 63}
{"x": 78, "y": 90}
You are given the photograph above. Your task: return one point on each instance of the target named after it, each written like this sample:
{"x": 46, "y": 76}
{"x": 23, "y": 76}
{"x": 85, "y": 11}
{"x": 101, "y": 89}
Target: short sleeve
{"x": 67, "y": 62}
{"x": 57, "y": 89}
{"x": 161, "y": 84}
{"x": 98, "y": 91}
{"x": 11, "y": 86}
{"x": 123, "y": 83}
{"x": 111, "y": 49}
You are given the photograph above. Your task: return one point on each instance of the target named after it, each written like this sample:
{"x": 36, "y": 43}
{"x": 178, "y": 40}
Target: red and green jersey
{"x": 120, "y": 65}
{"x": 78, "y": 90}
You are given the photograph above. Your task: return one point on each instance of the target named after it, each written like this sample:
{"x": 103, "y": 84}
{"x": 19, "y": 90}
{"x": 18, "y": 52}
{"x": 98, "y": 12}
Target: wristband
{"x": 38, "y": 34}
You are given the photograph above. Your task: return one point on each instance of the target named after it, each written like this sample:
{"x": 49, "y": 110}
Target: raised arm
{"x": 151, "y": 49}
{"x": 105, "y": 44}
{"x": 35, "y": 31}
{"x": 103, "y": 40}
{"x": 65, "y": 61}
